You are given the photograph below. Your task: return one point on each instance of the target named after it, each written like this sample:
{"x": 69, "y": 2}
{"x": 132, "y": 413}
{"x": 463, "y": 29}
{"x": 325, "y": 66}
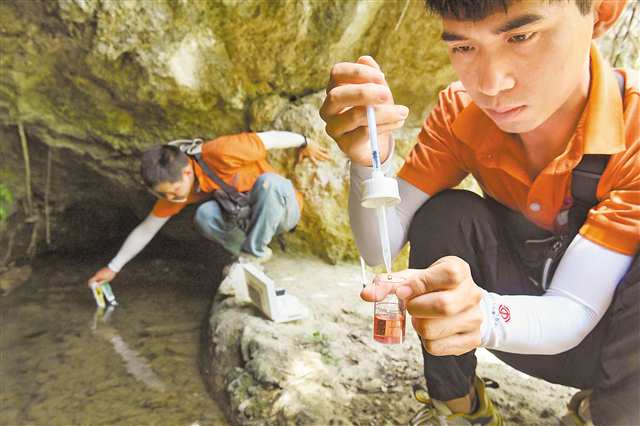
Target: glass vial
{"x": 389, "y": 314}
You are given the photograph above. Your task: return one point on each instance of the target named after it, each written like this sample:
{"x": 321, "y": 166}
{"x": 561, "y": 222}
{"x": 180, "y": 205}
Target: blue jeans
{"x": 274, "y": 210}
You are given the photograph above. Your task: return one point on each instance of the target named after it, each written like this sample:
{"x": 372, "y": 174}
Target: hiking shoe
{"x": 437, "y": 413}
{"x": 251, "y": 258}
{"x": 578, "y": 412}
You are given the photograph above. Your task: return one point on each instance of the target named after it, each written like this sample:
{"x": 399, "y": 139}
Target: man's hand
{"x": 351, "y": 87}
{"x": 102, "y": 276}
{"x": 314, "y": 152}
{"x": 444, "y": 303}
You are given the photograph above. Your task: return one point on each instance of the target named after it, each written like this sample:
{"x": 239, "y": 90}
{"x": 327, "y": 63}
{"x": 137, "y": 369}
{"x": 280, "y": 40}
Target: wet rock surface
{"x": 327, "y": 369}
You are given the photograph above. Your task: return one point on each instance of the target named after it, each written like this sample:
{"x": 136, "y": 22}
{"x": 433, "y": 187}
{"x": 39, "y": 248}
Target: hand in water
{"x": 353, "y": 86}
{"x": 102, "y": 276}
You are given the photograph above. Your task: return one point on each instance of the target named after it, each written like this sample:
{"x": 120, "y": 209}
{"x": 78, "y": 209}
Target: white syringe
{"x": 381, "y": 210}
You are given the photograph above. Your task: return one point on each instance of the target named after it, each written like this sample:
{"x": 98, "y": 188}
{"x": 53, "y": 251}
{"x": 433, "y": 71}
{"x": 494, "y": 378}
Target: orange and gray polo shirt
{"x": 237, "y": 159}
{"x": 458, "y": 138}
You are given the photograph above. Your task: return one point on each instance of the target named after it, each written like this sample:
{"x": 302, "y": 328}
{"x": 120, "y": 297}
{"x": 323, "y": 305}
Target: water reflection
{"x": 136, "y": 365}
{"x": 63, "y": 363}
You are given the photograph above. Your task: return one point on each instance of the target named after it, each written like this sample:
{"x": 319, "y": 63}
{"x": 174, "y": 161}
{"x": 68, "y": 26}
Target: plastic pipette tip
{"x": 363, "y": 272}
{"x": 373, "y": 137}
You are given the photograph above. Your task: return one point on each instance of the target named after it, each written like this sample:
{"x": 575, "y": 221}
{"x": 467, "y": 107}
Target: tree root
{"x": 404, "y": 10}
{"x": 7, "y": 256}
{"x": 31, "y": 212}
{"x": 47, "y": 189}
{"x": 27, "y": 167}
{"x": 33, "y": 244}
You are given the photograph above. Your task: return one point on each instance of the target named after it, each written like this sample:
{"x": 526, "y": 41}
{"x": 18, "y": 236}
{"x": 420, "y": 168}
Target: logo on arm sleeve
{"x": 504, "y": 312}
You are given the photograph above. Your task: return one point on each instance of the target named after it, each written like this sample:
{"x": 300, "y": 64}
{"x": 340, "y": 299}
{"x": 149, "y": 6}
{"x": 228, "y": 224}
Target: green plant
{"x": 6, "y": 201}
{"x": 320, "y": 343}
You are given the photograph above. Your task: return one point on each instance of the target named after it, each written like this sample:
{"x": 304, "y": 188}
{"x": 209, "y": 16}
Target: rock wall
{"x": 94, "y": 82}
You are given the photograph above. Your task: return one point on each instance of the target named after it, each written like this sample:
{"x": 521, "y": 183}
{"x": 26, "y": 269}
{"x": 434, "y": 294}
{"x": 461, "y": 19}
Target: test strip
{"x": 98, "y": 294}
{"x": 108, "y": 294}
{"x": 363, "y": 272}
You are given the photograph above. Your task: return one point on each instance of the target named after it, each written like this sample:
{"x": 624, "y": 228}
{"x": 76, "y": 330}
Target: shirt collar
{"x": 604, "y": 120}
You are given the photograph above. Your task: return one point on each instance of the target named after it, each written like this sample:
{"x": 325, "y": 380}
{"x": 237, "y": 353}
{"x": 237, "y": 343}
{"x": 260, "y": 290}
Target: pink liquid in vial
{"x": 388, "y": 328}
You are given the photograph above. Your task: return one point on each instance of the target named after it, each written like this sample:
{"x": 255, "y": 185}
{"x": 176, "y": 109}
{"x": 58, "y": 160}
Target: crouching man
{"x": 544, "y": 269}
{"x": 235, "y": 164}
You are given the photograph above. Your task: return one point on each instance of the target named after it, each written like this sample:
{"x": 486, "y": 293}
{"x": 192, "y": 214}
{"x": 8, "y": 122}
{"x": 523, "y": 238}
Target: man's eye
{"x": 461, "y": 49}
{"x": 520, "y": 38}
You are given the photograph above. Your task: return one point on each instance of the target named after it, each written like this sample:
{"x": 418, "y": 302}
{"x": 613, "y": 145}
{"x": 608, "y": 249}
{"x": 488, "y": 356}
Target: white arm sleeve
{"x": 137, "y": 240}
{"x": 364, "y": 223}
{"x": 579, "y": 295}
{"x": 280, "y": 140}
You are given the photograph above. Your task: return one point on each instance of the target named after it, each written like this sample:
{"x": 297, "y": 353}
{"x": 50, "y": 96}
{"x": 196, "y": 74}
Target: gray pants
{"x": 274, "y": 209}
{"x": 463, "y": 224}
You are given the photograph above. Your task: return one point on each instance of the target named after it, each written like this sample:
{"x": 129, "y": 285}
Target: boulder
{"x": 327, "y": 369}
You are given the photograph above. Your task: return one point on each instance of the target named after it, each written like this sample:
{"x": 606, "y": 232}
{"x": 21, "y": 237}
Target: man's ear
{"x": 606, "y": 13}
{"x": 187, "y": 171}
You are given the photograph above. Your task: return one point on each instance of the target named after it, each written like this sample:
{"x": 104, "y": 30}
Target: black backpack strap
{"x": 587, "y": 173}
{"x": 585, "y": 178}
{"x": 213, "y": 175}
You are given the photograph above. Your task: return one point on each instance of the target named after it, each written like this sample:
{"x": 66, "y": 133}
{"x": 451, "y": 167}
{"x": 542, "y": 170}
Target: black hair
{"x": 475, "y": 10}
{"x": 162, "y": 163}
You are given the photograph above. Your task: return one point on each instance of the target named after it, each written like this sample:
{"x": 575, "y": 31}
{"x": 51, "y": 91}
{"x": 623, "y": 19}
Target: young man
{"x": 240, "y": 161}
{"x": 544, "y": 269}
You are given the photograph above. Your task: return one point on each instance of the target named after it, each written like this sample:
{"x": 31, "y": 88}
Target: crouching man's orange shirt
{"x": 237, "y": 159}
{"x": 458, "y": 138}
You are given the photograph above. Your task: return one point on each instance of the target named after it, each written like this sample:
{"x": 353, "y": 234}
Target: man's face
{"x": 176, "y": 192}
{"x": 522, "y": 66}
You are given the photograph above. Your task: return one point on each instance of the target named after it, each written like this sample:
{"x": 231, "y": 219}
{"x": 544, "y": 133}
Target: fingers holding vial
{"x": 444, "y": 303}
